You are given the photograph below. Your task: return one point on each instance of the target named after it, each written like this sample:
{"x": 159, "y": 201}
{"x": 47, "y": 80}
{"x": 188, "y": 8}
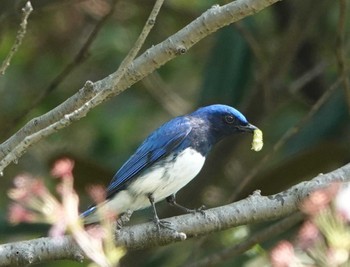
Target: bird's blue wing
{"x": 158, "y": 145}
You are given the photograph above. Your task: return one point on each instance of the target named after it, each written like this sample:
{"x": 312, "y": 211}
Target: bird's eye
{"x": 229, "y": 119}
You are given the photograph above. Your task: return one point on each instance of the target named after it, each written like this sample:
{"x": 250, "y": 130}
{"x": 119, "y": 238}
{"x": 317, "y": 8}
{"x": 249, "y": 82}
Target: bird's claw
{"x": 193, "y": 211}
{"x": 201, "y": 209}
{"x": 163, "y": 224}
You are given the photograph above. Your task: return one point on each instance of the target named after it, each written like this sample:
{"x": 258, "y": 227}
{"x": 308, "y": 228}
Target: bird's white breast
{"x": 161, "y": 180}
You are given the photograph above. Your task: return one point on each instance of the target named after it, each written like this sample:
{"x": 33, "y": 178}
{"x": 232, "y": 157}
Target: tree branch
{"x": 93, "y": 94}
{"x": 255, "y": 208}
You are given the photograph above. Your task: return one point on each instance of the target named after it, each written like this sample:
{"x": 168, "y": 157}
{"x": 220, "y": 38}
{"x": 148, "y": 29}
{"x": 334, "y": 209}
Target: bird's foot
{"x": 163, "y": 224}
{"x": 169, "y": 226}
{"x": 201, "y": 209}
{"x": 193, "y": 211}
{"x": 172, "y": 201}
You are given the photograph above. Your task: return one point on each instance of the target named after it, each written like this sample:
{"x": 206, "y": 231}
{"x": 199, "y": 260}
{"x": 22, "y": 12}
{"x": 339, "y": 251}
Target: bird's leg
{"x": 172, "y": 201}
{"x": 156, "y": 220}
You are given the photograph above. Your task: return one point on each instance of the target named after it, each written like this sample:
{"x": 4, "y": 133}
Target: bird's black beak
{"x": 250, "y": 128}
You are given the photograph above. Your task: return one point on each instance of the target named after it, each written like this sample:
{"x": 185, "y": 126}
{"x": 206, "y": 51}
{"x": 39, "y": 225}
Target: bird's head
{"x": 224, "y": 120}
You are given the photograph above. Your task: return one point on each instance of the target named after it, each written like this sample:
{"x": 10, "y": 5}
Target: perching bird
{"x": 168, "y": 159}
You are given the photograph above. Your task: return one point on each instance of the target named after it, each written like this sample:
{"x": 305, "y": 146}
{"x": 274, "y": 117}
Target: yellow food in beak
{"x": 257, "y": 142}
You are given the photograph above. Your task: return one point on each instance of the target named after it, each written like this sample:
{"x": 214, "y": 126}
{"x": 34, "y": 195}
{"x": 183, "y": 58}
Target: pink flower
{"x": 58, "y": 229}
{"x": 37, "y": 204}
{"x": 66, "y": 213}
{"x": 342, "y": 202}
{"x": 283, "y": 255}
{"x": 63, "y": 168}
{"x": 319, "y": 200}
{"x": 96, "y": 231}
{"x": 97, "y": 193}
{"x": 17, "y": 214}
{"x": 308, "y": 235}
{"x": 25, "y": 187}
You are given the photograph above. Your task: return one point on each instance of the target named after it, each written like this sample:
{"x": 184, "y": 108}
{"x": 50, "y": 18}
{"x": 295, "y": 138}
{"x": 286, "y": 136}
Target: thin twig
{"x": 307, "y": 77}
{"x": 261, "y": 236}
{"x": 341, "y": 51}
{"x": 139, "y": 42}
{"x": 288, "y": 135}
{"x": 27, "y": 9}
{"x": 80, "y": 57}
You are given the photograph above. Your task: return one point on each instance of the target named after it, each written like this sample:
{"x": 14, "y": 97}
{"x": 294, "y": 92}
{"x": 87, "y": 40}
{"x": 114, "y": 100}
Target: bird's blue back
{"x": 162, "y": 142}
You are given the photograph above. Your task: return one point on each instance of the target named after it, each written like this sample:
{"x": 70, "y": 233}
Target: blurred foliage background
{"x": 276, "y": 67}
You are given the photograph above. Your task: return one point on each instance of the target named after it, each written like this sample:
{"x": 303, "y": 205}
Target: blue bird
{"x": 169, "y": 159}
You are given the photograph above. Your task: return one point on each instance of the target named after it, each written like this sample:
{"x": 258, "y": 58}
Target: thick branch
{"x": 93, "y": 94}
{"x": 255, "y": 208}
